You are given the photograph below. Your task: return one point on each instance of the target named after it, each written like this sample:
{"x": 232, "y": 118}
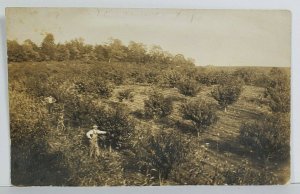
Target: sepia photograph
{"x": 149, "y": 97}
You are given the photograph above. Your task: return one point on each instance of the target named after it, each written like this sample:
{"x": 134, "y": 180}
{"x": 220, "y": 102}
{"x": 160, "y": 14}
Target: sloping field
{"x": 220, "y": 143}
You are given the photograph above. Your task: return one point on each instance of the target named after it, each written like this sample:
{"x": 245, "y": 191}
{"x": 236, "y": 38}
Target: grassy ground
{"x": 221, "y": 140}
{"x": 220, "y": 143}
{"x": 217, "y": 147}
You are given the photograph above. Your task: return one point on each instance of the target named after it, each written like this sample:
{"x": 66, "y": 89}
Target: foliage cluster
{"x": 188, "y": 87}
{"x": 158, "y": 105}
{"x": 227, "y": 93}
{"x": 278, "y": 91}
{"x": 201, "y": 113}
{"x": 270, "y": 138}
{"x": 160, "y": 154}
{"x": 77, "y": 49}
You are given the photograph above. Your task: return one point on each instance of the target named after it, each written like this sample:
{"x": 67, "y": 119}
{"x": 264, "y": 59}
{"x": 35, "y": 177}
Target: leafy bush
{"x": 106, "y": 170}
{"x": 261, "y": 80}
{"x": 101, "y": 88}
{"x": 278, "y": 91}
{"x": 188, "y": 87}
{"x": 172, "y": 78}
{"x": 77, "y": 111}
{"x": 201, "y": 113}
{"x": 199, "y": 169}
{"x": 152, "y": 76}
{"x": 28, "y": 117}
{"x": 116, "y": 76}
{"x": 248, "y": 75}
{"x": 159, "y": 154}
{"x": 115, "y": 120}
{"x": 245, "y": 175}
{"x": 193, "y": 170}
{"x": 37, "y": 83}
{"x": 220, "y": 77}
{"x": 203, "y": 78}
{"x": 125, "y": 94}
{"x": 157, "y": 105}
{"x": 270, "y": 138}
{"x": 227, "y": 93}
{"x": 30, "y": 159}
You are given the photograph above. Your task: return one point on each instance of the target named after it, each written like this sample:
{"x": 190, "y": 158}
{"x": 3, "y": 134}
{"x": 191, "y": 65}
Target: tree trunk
{"x": 225, "y": 109}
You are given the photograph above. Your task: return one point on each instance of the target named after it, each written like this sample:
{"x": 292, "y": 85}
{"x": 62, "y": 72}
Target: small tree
{"x": 172, "y": 78}
{"x": 48, "y": 48}
{"x": 188, "y": 87}
{"x": 102, "y": 88}
{"x": 31, "y": 51}
{"x": 200, "y": 113}
{"x": 278, "y": 91}
{"x": 100, "y": 53}
{"x": 74, "y": 50}
{"x": 115, "y": 120}
{"x": 270, "y": 137}
{"x": 227, "y": 93}
{"x": 157, "y": 105}
{"x": 151, "y": 76}
{"x": 136, "y": 52}
{"x": 76, "y": 110}
{"x": 15, "y": 51}
{"x": 63, "y": 53}
{"x": 160, "y": 154}
{"x": 116, "y": 51}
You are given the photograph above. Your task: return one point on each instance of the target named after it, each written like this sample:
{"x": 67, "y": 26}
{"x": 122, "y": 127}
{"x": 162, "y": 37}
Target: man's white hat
{"x": 95, "y": 126}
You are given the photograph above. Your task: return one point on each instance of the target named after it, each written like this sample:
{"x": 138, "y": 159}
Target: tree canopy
{"x": 112, "y": 51}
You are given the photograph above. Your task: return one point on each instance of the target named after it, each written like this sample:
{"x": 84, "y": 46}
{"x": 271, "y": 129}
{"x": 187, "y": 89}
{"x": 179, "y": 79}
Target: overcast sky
{"x": 211, "y": 37}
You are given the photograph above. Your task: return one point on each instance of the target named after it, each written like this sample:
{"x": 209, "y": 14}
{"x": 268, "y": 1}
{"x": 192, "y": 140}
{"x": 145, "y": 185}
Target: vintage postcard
{"x": 141, "y": 97}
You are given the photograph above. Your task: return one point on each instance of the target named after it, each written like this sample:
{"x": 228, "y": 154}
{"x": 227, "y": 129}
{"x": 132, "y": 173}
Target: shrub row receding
{"x": 269, "y": 138}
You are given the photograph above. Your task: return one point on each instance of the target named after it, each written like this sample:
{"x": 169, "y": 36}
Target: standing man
{"x": 60, "y": 122}
{"x": 50, "y": 100}
{"x": 93, "y": 137}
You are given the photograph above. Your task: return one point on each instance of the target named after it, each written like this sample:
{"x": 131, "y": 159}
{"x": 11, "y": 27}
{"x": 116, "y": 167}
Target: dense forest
{"x": 168, "y": 122}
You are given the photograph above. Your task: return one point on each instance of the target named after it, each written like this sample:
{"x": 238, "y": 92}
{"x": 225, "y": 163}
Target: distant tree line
{"x": 77, "y": 49}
